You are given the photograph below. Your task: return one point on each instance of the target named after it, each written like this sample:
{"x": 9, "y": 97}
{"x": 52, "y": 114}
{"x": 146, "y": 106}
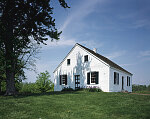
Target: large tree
{"x": 22, "y": 22}
{"x": 26, "y": 60}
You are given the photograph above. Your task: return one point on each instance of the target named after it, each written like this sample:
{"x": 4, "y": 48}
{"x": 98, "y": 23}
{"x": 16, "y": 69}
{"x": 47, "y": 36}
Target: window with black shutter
{"x": 88, "y": 78}
{"x": 92, "y": 78}
{"x": 128, "y": 81}
{"x": 63, "y": 79}
{"x": 116, "y": 78}
{"x": 97, "y": 73}
{"x": 68, "y": 61}
{"x": 60, "y": 80}
{"x": 86, "y": 58}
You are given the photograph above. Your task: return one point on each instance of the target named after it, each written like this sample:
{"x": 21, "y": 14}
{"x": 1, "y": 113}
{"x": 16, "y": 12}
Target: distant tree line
{"x": 140, "y": 88}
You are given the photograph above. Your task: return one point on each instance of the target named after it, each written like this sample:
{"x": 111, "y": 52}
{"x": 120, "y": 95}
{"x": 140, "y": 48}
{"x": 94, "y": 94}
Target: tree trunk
{"x": 9, "y": 56}
{"x": 0, "y": 86}
{"x": 10, "y": 65}
{"x": 10, "y": 83}
{"x": 10, "y": 68}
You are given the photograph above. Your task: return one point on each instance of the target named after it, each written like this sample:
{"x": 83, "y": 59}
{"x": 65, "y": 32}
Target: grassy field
{"x": 142, "y": 92}
{"x": 76, "y": 105}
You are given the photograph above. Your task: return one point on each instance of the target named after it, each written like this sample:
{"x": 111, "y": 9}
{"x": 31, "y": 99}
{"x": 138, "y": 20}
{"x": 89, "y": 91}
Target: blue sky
{"x": 119, "y": 29}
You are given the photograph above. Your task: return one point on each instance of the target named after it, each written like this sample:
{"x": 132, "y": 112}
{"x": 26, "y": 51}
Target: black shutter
{"x": 84, "y": 58}
{"x": 129, "y": 81}
{"x": 60, "y": 77}
{"x": 87, "y": 58}
{"x": 97, "y": 78}
{"x": 114, "y": 77}
{"x": 88, "y": 78}
{"x": 65, "y": 79}
{"x": 118, "y": 78}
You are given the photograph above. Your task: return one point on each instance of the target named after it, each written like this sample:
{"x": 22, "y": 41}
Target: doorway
{"x": 77, "y": 82}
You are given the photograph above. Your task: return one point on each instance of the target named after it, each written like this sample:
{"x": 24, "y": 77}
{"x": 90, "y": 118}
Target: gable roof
{"x": 106, "y": 60}
{"x": 111, "y": 63}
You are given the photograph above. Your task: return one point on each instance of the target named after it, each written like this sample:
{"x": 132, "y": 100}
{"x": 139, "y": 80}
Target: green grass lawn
{"x": 76, "y": 105}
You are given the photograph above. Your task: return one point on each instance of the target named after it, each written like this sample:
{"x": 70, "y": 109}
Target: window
{"x": 92, "y": 78}
{"x": 77, "y": 81}
{"x": 86, "y": 58}
{"x": 68, "y": 61}
{"x": 128, "y": 81}
{"x": 63, "y": 79}
{"x": 116, "y": 78}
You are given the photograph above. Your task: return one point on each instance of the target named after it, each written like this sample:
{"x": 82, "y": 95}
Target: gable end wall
{"x": 79, "y": 67}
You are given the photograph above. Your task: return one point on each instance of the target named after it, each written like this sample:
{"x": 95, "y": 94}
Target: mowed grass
{"x": 76, "y": 105}
{"x": 142, "y": 92}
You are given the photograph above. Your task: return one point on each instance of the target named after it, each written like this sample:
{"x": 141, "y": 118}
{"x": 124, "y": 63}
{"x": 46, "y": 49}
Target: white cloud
{"x": 85, "y": 8}
{"x": 78, "y": 13}
{"x": 91, "y": 44}
{"x": 70, "y": 41}
{"x": 115, "y": 54}
{"x": 128, "y": 64}
{"x": 141, "y": 23}
{"x": 63, "y": 42}
{"x": 145, "y": 53}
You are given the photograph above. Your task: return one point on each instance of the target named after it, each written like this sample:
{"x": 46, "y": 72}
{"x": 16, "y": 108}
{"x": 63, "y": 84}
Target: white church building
{"x": 85, "y": 68}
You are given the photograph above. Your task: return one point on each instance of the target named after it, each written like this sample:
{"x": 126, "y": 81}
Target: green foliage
{"x": 23, "y": 22}
{"x": 67, "y": 89}
{"x": 75, "y": 105}
{"x": 3, "y": 86}
{"x": 95, "y": 90}
{"x": 52, "y": 87}
{"x": 43, "y": 83}
{"x": 148, "y": 87}
{"x": 91, "y": 89}
{"x": 28, "y": 88}
{"x": 140, "y": 88}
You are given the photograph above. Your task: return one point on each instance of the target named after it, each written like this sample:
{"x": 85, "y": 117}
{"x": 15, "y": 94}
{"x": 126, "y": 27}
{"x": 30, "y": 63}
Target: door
{"x": 77, "y": 82}
{"x": 122, "y": 83}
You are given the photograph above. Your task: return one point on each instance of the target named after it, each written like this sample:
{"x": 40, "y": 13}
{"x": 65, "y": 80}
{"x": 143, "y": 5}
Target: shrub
{"x": 95, "y": 89}
{"x": 148, "y": 88}
{"x": 91, "y": 89}
{"x": 67, "y": 89}
{"x": 43, "y": 83}
{"x": 139, "y": 88}
{"x": 28, "y": 88}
